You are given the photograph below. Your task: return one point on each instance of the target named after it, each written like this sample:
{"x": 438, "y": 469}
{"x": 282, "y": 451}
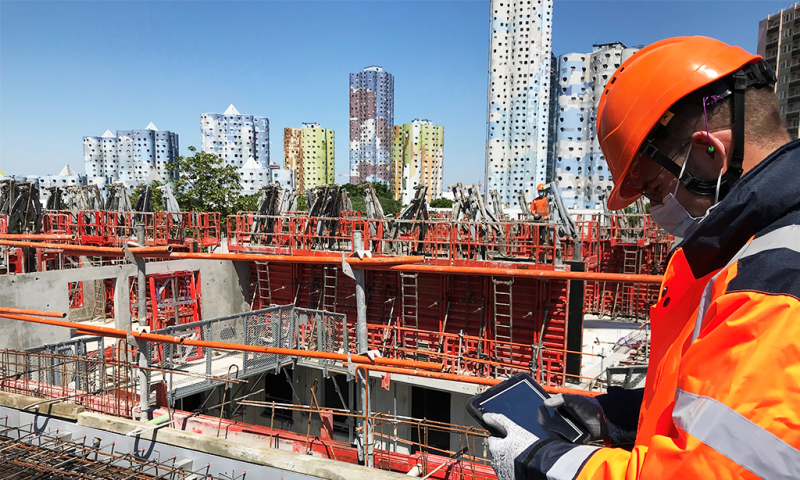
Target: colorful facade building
{"x": 309, "y": 152}
{"x": 417, "y": 157}
{"x": 580, "y": 171}
{"x": 131, "y": 156}
{"x": 371, "y": 122}
{"x": 520, "y": 63}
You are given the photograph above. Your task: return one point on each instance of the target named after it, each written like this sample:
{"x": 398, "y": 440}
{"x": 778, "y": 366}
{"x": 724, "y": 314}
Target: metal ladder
{"x": 99, "y": 307}
{"x": 410, "y": 314}
{"x": 330, "y": 279}
{"x": 503, "y": 322}
{"x": 263, "y": 286}
{"x": 630, "y": 265}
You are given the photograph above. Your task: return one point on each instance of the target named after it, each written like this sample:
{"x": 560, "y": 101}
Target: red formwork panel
{"x": 452, "y": 316}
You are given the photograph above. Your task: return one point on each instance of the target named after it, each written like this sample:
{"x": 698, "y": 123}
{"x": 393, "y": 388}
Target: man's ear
{"x": 716, "y": 145}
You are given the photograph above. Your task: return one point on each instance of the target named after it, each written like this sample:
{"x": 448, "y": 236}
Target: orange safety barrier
{"x": 108, "y": 228}
{"x": 437, "y": 238}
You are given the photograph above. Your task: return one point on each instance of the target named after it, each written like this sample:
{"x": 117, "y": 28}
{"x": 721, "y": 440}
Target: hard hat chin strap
{"x": 754, "y": 75}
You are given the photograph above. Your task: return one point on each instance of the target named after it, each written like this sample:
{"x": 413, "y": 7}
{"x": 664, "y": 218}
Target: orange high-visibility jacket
{"x": 539, "y": 206}
{"x": 722, "y": 397}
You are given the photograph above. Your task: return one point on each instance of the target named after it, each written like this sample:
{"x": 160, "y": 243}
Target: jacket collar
{"x": 762, "y": 196}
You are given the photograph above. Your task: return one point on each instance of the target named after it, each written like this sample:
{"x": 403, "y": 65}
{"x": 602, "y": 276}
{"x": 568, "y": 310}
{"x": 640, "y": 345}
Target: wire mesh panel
{"x": 186, "y": 358}
{"x": 323, "y": 331}
{"x": 263, "y": 329}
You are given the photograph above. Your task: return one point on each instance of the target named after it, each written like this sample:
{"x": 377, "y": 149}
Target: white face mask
{"x": 672, "y": 216}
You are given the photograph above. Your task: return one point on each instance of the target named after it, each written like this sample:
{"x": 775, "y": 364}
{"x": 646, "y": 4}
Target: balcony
{"x": 774, "y": 28}
{"x": 795, "y": 68}
{"x": 793, "y": 98}
{"x": 771, "y": 45}
{"x": 795, "y": 83}
{"x": 792, "y": 115}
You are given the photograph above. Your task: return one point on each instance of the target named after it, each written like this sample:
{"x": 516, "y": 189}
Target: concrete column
{"x": 141, "y": 279}
{"x": 122, "y": 301}
{"x": 363, "y": 346}
{"x": 144, "y": 347}
{"x": 361, "y": 299}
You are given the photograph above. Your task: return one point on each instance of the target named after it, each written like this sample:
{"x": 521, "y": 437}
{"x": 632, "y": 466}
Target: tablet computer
{"x": 520, "y": 398}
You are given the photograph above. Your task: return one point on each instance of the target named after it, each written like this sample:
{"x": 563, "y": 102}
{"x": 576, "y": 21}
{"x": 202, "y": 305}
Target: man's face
{"x": 648, "y": 178}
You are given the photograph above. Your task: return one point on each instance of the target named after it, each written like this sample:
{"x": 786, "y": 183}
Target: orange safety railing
{"x": 288, "y": 234}
{"x": 470, "y": 355}
{"x": 108, "y": 228}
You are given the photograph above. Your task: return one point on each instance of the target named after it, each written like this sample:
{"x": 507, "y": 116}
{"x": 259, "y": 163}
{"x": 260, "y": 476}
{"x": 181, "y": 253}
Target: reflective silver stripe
{"x": 736, "y": 437}
{"x": 566, "y": 467}
{"x": 784, "y": 237}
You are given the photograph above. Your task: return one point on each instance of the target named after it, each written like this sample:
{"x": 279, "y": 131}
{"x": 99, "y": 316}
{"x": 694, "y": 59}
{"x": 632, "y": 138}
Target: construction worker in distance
{"x": 541, "y": 213}
{"x": 693, "y": 124}
{"x": 539, "y": 206}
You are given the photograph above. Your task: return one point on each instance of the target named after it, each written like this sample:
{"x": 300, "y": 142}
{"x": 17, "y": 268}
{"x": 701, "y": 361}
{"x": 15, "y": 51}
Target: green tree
{"x": 302, "y": 203}
{"x": 156, "y": 198}
{"x": 248, "y": 203}
{"x": 388, "y": 203}
{"x": 441, "y": 203}
{"x": 206, "y": 184}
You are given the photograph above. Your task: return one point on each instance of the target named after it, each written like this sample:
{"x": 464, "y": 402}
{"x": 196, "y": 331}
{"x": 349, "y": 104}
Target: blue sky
{"x": 71, "y": 69}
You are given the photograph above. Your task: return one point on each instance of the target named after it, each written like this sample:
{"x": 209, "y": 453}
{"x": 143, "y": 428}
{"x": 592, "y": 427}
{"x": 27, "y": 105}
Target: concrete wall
{"x": 34, "y": 291}
{"x": 224, "y": 291}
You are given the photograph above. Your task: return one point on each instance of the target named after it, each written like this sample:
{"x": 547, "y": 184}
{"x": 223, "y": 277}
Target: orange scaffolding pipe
{"x": 355, "y": 262}
{"x": 41, "y": 237}
{"x": 160, "y": 251}
{"x": 519, "y": 272}
{"x": 466, "y": 379}
{"x": 38, "y": 313}
{"x": 153, "y": 337}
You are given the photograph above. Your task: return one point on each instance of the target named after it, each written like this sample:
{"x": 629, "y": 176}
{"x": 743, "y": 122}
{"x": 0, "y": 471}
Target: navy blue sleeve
{"x": 552, "y": 459}
{"x": 621, "y": 408}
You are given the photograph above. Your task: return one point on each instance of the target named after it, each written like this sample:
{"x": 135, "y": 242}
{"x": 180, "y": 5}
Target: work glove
{"x": 506, "y": 449}
{"x": 585, "y": 410}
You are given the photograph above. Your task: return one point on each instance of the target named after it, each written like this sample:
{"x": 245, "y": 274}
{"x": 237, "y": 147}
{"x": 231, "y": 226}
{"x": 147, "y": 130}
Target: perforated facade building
{"x": 131, "y": 156}
{"x": 235, "y": 137}
{"x": 519, "y": 97}
{"x": 417, "y": 157}
{"x": 579, "y": 167}
{"x": 241, "y": 141}
{"x": 309, "y": 152}
{"x": 371, "y": 122}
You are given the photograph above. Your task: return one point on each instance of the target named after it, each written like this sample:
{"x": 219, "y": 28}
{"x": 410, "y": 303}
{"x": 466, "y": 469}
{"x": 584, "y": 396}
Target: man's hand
{"x": 505, "y": 450}
{"x": 585, "y": 410}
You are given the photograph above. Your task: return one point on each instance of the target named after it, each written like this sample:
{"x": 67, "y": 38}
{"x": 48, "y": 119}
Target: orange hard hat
{"x": 641, "y": 91}
{"x": 540, "y": 187}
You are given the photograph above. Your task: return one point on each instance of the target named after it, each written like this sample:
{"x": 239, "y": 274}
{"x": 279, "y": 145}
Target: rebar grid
{"x": 104, "y": 381}
{"x": 28, "y": 453}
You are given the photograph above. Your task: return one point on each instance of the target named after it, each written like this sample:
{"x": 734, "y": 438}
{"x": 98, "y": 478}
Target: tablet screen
{"x": 521, "y": 403}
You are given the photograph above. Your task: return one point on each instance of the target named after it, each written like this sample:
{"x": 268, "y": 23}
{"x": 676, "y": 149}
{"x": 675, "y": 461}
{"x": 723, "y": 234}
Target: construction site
{"x": 278, "y": 343}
